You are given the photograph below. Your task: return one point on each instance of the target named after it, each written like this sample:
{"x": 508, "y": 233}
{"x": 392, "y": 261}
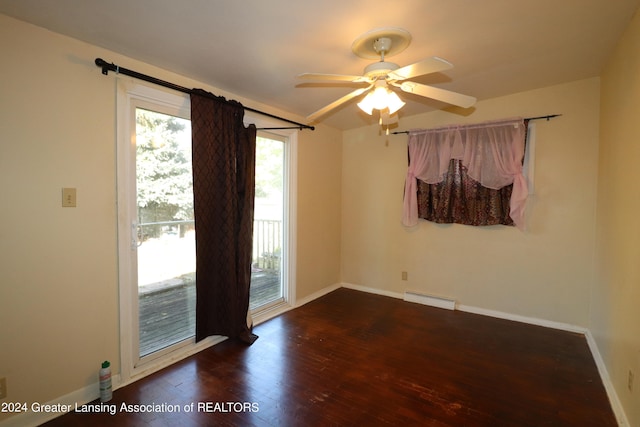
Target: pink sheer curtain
{"x": 492, "y": 152}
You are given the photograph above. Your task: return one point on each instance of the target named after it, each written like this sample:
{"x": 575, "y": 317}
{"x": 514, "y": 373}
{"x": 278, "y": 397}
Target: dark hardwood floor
{"x": 356, "y": 359}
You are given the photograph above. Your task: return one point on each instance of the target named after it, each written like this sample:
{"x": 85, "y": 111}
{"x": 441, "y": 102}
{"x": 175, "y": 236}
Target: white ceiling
{"x": 256, "y": 48}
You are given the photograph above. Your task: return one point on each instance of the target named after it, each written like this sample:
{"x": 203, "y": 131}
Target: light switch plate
{"x": 68, "y": 197}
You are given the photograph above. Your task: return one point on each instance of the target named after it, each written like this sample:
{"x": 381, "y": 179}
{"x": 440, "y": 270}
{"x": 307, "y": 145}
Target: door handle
{"x": 134, "y": 236}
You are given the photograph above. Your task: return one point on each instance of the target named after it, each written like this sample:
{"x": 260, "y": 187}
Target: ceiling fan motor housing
{"x": 379, "y": 69}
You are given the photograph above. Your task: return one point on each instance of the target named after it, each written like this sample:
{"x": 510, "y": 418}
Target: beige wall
{"x": 58, "y": 266}
{"x": 615, "y": 314}
{"x": 545, "y": 272}
{"x": 58, "y": 289}
{"x": 318, "y": 231}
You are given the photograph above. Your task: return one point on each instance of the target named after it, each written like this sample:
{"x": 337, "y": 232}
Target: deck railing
{"x": 267, "y": 244}
{"x": 267, "y": 239}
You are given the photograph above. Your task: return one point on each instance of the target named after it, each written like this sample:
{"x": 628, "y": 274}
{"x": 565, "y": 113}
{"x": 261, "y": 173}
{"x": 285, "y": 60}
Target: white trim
{"x": 291, "y": 200}
{"x": 528, "y": 168}
{"x": 430, "y": 300}
{"x": 79, "y": 397}
{"x": 125, "y": 185}
{"x": 171, "y": 358}
{"x": 522, "y": 319}
{"x": 376, "y": 291}
{"x": 290, "y": 217}
{"x": 616, "y": 405}
{"x": 264, "y": 315}
{"x": 92, "y": 392}
{"x": 322, "y": 292}
{"x": 481, "y": 311}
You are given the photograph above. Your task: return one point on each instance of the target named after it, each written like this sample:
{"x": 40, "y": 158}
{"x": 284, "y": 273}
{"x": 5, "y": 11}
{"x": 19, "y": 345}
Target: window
{"x": 467, "y": 174}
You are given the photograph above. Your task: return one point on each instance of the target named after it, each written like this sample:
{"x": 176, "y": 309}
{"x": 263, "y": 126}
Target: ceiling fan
{"x": 380, "y": 76}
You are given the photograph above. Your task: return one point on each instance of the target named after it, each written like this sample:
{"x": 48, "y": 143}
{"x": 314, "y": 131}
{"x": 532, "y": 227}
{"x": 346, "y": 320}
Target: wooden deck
{"x": 167, "y": 313}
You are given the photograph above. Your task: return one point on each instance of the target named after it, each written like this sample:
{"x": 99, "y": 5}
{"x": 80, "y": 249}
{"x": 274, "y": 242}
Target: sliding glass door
{"x": 156, "y": 229}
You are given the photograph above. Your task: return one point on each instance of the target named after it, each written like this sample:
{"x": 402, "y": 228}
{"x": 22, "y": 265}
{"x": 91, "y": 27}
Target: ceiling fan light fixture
{"x": 366, "y": 104}
{"x": 379, "y": 99}
{"x": 394, "y": 103}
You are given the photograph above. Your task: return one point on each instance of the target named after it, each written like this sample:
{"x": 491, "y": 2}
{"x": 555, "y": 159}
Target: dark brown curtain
{"x": 223, "y": 188}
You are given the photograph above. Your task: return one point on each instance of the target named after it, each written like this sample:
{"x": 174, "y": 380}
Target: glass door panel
{"x": 268, "y": 226}
{"x": 165, "y": 231}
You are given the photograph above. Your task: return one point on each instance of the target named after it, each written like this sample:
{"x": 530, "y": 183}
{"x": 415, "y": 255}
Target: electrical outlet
{"x": 630, "y": 381}
{"x": 405, "y": 275}
{"x": 68, "y": 197}
{"x": 3, "y": 388}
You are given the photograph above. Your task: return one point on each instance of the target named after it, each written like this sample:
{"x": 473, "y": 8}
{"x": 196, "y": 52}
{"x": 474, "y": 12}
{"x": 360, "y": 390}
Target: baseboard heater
{"x": 430, "y": 300}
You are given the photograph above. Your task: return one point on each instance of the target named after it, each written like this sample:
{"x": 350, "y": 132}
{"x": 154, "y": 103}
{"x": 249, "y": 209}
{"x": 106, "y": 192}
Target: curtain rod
{"x": 550, "y": 116}
{"x": 106, "y": 67}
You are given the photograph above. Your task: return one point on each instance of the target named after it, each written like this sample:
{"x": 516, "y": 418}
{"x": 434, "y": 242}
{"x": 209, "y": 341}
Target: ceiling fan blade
{"x": 427, "y": 66}
{"x": 337, "y": 103}
{"x": 334, "y": 77}
{"x": 438, "y": 94}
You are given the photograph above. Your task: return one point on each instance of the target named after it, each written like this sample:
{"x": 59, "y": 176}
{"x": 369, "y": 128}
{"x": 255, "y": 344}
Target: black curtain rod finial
{"x": 104, "y": 65}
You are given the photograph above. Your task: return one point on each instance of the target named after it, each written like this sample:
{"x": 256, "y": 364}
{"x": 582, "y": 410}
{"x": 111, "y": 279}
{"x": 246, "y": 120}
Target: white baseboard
{"x": 322, "y": 292}
{"x": 78, "y": 397}
{"x": 616, "y": 406}
{"x": 367, "y": 289}
{"x": 522, "y": 319}
{"x": 265, "y": 315}
{"x": 430, "y": 300}
{"x": 170, "y": 358}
